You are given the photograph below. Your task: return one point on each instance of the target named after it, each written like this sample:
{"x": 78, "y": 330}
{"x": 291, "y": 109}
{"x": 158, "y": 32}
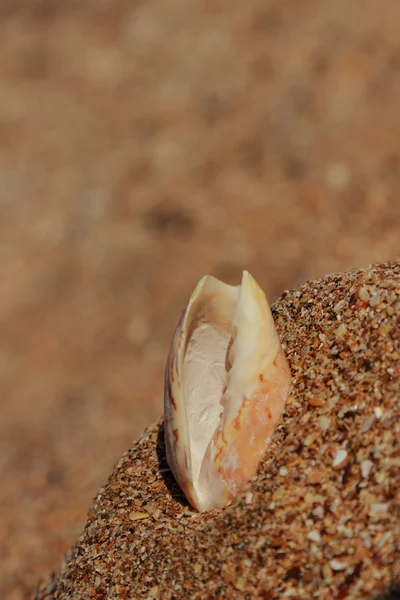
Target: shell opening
{"x": 205, "y": 368}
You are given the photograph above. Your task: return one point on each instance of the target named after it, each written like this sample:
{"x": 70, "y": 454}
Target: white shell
{"x": 226, "y": 384}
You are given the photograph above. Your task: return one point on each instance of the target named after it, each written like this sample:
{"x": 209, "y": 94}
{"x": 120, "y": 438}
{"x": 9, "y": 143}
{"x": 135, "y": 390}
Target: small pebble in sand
{"x": 249, "y": 498}
{"x": 363, "y": 294}
{"x": 374, "y": 301}
{"x": 341, "y": 330}
{"x": 340, "y": 459}
{"x": 136, "y": 516}
{"x": 366, "y": 467}
{"x": 338, "y": 565}
{"x": 314, "y": 536}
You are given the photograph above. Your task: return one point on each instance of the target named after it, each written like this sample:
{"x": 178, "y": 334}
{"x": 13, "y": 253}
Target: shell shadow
{"x": 392, "y": 594}
{"x": 166, "y": 472}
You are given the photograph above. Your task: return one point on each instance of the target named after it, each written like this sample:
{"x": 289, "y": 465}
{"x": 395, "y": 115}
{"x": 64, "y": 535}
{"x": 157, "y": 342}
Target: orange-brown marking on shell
{"x": 236, "y": 422}
{"x": 176, "y": 435}
{"x": 186, "y": 459}
{"x": 220, "y": 443}
{"x": 228, "y": 364}
{"x": 259, "y": 429}
{"x": 171, "y": 396}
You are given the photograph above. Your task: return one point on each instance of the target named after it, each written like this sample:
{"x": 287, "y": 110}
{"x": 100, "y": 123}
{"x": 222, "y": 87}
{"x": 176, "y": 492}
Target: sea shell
{"x": 226, "y": 384}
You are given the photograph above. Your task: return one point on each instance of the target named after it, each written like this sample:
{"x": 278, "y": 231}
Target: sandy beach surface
{"x": 321, "y": 518}
{"x": 144, "y": 144}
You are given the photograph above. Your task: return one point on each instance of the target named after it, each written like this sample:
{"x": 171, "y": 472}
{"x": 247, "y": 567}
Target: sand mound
{"x": 321, "y": 519}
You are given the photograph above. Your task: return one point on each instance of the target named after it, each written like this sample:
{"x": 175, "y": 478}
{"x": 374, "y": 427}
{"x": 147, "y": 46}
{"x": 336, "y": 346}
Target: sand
{"x": 322, "y": 517}
{"x": 143, "y": 145}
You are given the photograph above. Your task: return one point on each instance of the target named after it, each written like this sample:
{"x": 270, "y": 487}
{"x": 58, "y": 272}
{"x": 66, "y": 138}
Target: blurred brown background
{"x": 142, "y": 145}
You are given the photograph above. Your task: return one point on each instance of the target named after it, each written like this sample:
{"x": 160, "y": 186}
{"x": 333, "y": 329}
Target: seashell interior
{"x": 226, "y": 383}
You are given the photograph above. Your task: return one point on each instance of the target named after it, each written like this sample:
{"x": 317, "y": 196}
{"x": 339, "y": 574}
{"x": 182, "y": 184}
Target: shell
{"x": 226, "y": 384}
